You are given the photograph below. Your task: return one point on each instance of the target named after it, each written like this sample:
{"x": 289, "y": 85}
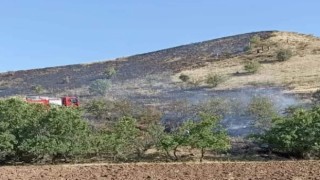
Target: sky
{"x": 45, "y": 33}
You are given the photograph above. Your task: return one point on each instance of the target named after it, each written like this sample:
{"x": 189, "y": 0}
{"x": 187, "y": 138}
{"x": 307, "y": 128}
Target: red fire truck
{"x": 63, "y": 101}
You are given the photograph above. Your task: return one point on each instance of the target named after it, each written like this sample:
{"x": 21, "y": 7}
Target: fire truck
{"x": 63, "y": 101}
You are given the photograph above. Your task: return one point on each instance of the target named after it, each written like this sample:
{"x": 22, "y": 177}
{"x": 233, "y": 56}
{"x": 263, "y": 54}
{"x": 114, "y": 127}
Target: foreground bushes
{"x": 31, "y": 132}
{"x": 37, "y": 133}
{"x": 297, "y": 134}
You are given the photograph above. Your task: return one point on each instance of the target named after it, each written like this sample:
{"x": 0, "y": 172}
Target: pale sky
{"x": 43, "y": 33}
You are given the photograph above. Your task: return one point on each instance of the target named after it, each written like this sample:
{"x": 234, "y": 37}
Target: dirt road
{"x": 184, "y": 171}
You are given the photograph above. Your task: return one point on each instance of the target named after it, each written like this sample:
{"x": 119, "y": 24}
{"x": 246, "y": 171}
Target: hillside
{"x": 152, "y": 79}
{"x": 224, "y": 56}
{"x": 168, "y": 61}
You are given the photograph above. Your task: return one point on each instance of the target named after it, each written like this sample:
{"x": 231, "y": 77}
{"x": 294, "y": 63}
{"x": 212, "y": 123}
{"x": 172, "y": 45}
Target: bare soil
{"x": 184, "y": 171}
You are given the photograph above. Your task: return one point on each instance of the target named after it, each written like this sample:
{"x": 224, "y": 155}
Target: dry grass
{"x": 301, "y": 73}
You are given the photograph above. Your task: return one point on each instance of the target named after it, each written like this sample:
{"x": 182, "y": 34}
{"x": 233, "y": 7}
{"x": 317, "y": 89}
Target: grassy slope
{"x": 301, "y": 73}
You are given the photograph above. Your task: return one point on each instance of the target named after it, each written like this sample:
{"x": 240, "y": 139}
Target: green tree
{"x": 60, "y": 133}
{"x": 208, "y": 134}
{"x": 17, "y": 121}
{"x": 297, "y": 134}
{"x": 31, "y": 132}
{"x": 123, "y": 139}
{"x": 99, "y": 87}
{"x": 172, "y": 141}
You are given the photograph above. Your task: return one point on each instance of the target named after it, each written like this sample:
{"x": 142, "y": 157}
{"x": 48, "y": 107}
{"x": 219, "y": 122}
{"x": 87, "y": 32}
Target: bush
{"x": 32, "y": 132}
{"x": 252, "y": 66}
{"x": 297, "y": 135}
{"x": 284, "y": 54}
{"x": 123, "y": 140}
{"x": 99, "y": 87}
{"x": 214, "y": 80}
{"x": 110, "y": 72}
{"x": 184, "y": 77}
{"x": 255, "y": 39}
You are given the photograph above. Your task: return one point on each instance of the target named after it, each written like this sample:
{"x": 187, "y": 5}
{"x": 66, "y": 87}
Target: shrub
{"x": 297, "y": 135}
{"x": 214, "y": 80}
{"x": 99, "y": 87}
{"x": 255, "y": 39}
{"x": 252, "y": 66}
{"x": 184, "y": 77}
{"x": 284, "y": 54}
{"x": 110, "y": 72}
{"x": 123, "y": 139}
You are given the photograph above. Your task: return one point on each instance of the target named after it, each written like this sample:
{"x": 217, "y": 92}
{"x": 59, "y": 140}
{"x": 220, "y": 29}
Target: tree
{"x": 252, "y": 66}
{"x": 61, "y": 133}
{"x": 297, "y": 134}
{"x": 31, "y": 132}
{"x": 17, "y": 121}
{"x": 123, "y": 139}
{"x": 99, "y": 87}
{"x": 208, "y": 134}
{"x": 172, "y": 141}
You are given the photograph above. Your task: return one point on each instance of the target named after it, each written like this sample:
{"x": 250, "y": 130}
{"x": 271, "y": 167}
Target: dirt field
{"x": 184, "y": 171}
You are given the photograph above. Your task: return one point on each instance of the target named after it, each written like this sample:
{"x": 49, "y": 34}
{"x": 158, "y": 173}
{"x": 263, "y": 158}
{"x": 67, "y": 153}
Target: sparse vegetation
{"x": 214, "y": 80}
{"x": 262, "y": 110}
{"x": 284, "y": 54}
{"x": 252, "y": 66}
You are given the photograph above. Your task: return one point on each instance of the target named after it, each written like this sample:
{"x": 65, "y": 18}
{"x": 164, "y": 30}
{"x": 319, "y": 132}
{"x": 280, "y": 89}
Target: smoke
{"x": 231, "y": 105}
